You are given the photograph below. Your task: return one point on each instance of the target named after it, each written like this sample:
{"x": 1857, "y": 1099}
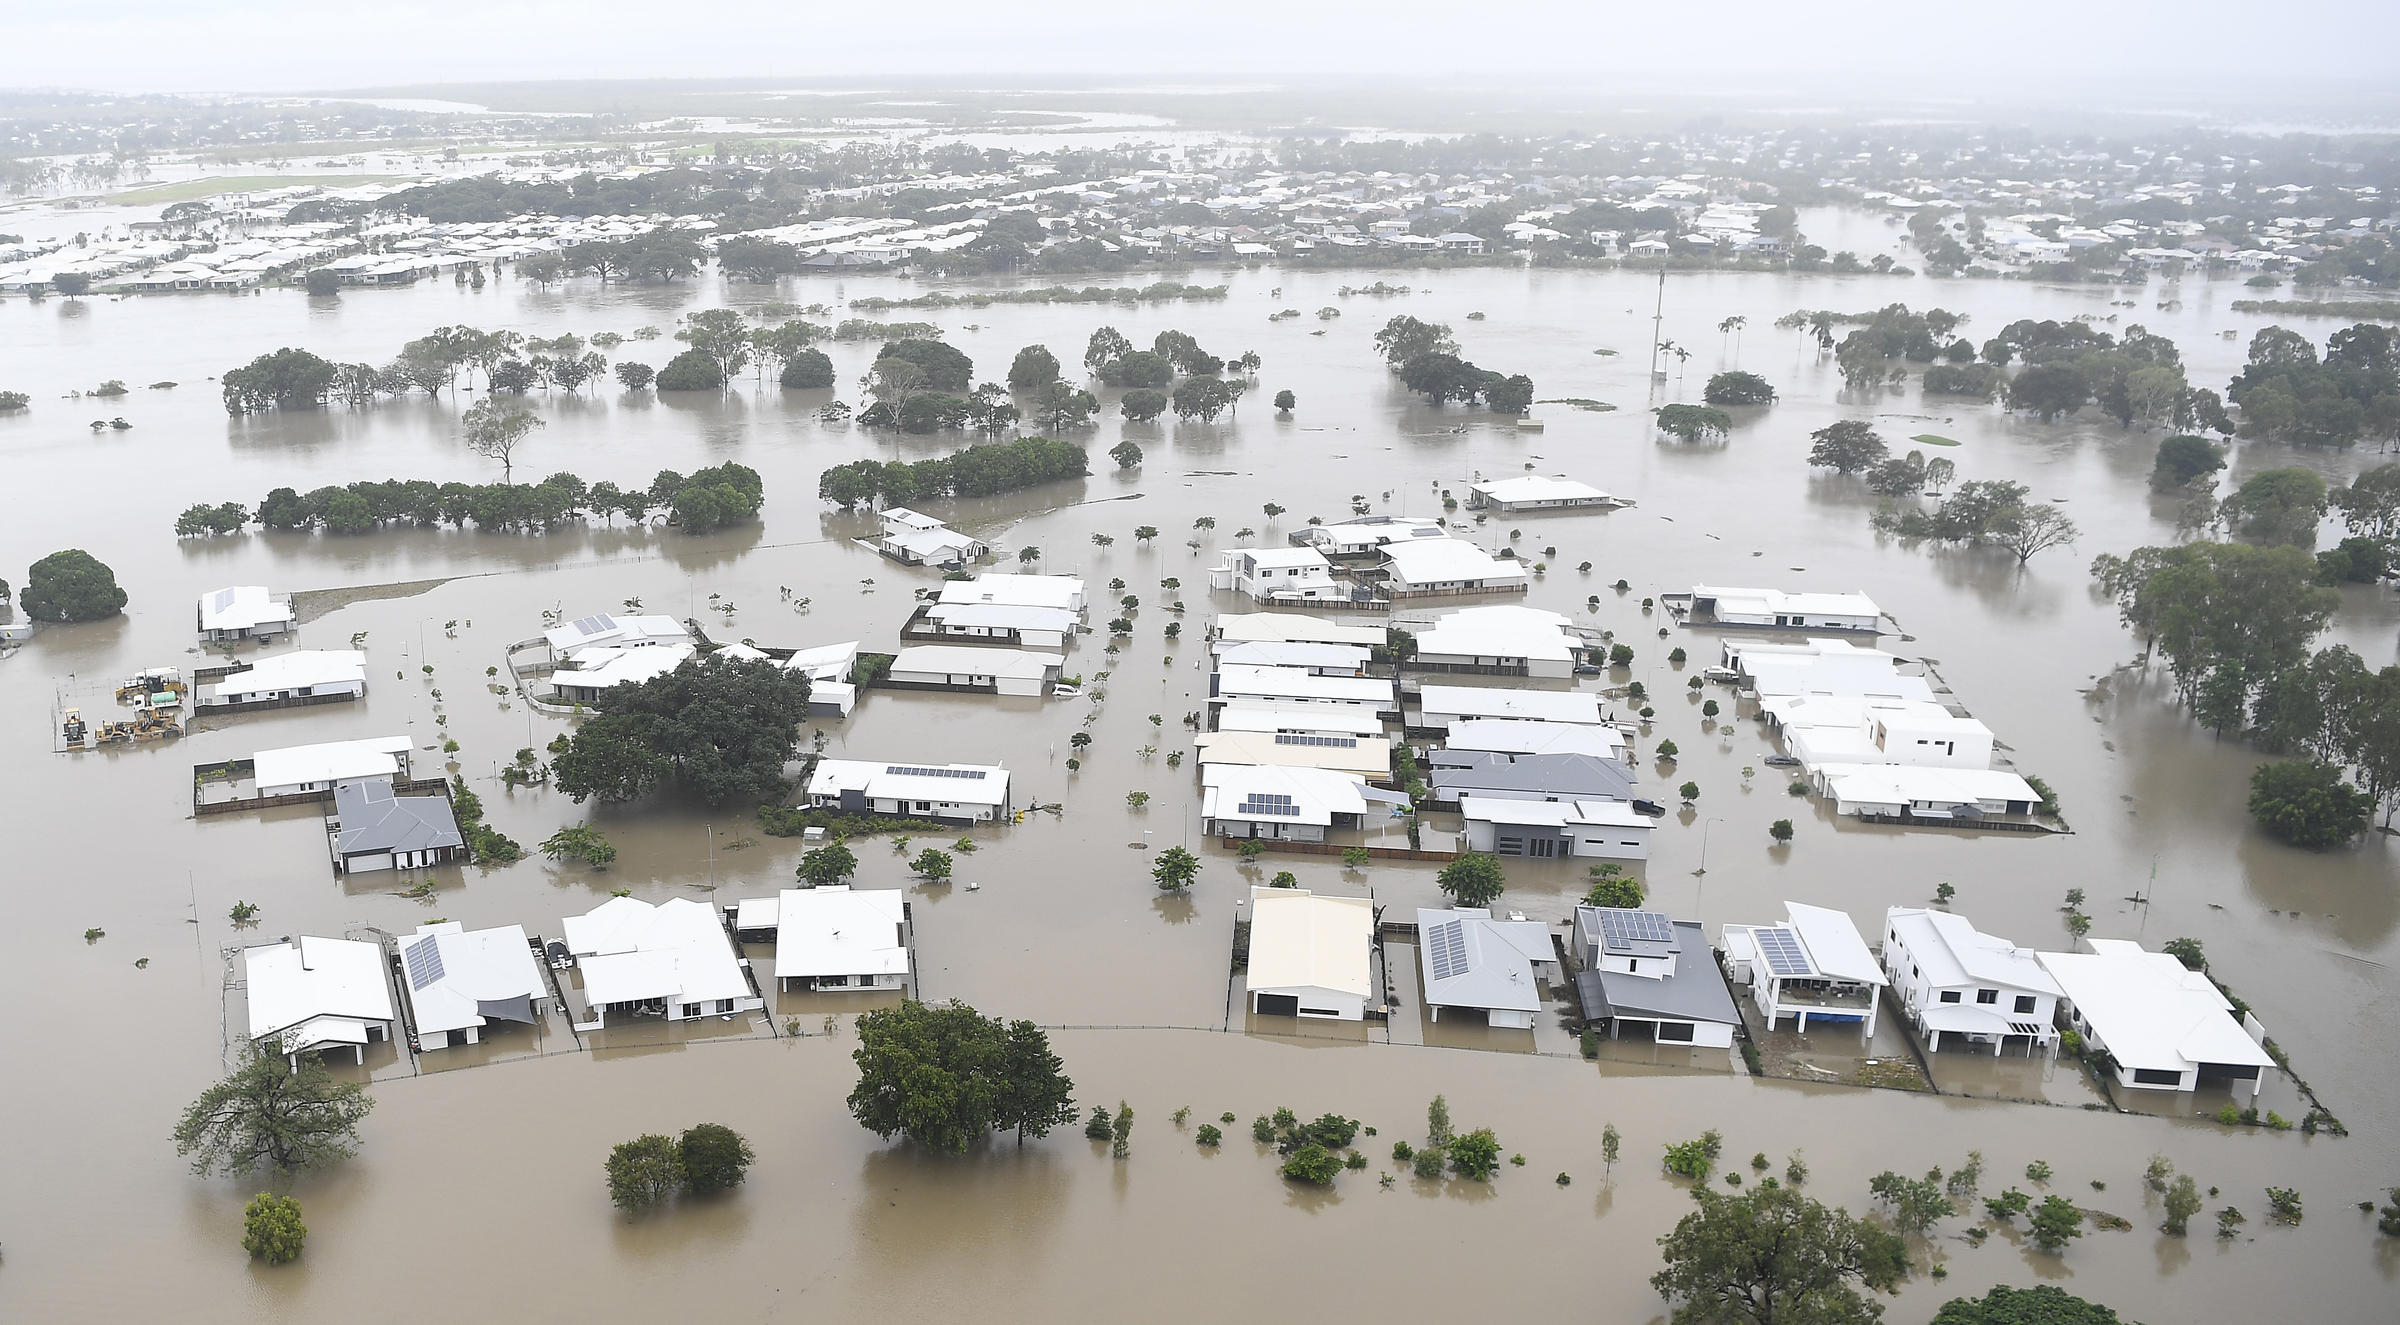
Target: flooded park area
{"x": 485, "y": 1167}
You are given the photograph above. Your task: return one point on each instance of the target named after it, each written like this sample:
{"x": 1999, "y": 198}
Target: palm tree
{"x": 1733, "y": 324}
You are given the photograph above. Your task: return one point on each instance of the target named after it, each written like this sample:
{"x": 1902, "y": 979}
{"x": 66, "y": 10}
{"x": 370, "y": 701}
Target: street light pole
{"x": 1710, "y": 823}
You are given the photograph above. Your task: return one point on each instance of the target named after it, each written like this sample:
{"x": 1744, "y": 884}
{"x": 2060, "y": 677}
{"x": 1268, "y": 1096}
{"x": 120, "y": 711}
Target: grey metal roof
{"x": 375, "y": 818}
{"x": 1696, "y": 992}
{"x": 1565, "y": 777}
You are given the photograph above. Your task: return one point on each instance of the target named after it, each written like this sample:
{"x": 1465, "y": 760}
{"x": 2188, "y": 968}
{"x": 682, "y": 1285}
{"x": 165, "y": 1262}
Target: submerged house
{"x": 1812, "y": 967}
{"x": 913, "y": 539}
{"x": 298, "y": 769}
{"x": 601, "y": 630}
{"x": 1516, "y": 736}
{"x": 304, "y": 675}
{"x": 1647, "y": 970}
{"x": 977, "y": 670}
{"x": 1310, "y": 956}
{"x": 1277, "y": 575}
{"x": 1502, "y": 641}
{"x": 1439, "y": 707}
{"x": 1241, "y": 801}
{"x": 1299, "y": 685}
{"x": 1458, "y": 775}
{"x": 1437, "y": 566}
{"x": 671, "y": 960}
{"x": 1470, "y": 961}
{"x": 588, "y": 676}
{"x": 1292, "y": 628}
{"x": 308, "y": 994}
{"x": 2166, "y": 1027}
{"x": 245, "y": 611}
{"x": 1298, "y": 719}
{"x": 1535, "y": 492}
{"x": 994, "y": 623}
{"x": 960, "y": 793}
{"x": 841, "y": 938}
{"x": 993, "y": 589}
{"x": 1791, "y": 611}
{"x": 1924, "y": 795}
{"x": 1607, "y": 829}
{"x": 374, "y": 827}
{"x": 1953, "y": 979}
{"x": 1369, "y": 757}
{"x": 459, "y": 981}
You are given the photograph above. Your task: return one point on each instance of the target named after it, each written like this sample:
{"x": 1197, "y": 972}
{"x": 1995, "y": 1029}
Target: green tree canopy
{"x": 826, "y": 865}
{"x": 1174, "y": 868}
{"x": 805, "y": 370}
{"x": 1473, "y": 879}
{"x": 714, "y": 1158}
{"x": 2182, "y": 459}
{"x": 947, "y": 369}
{"x": 692, "y": 370}
{"x": 721, "y": 728}
{"x": 644, "y": 1171}
{"x": 1738, "y": 388}
{"x": 944, "y": 1075}
{"x": 1848, "y": 446}
{"x": 271, "y": 1115}
{"x": 2277, "y": 508}
{"x": 271, "y": 1228}
{"x": 1694, "y": 423}
{"x": 1034, "y": 367}
{"x": 71, "y": 585}
{"x": 2043, "y": 1304}
{"x": 2306, "y": 803}
{"x": 285, "y": 379}
{"x": 1773, "y": 1255}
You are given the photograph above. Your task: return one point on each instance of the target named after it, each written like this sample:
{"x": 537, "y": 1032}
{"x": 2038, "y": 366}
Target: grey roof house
{"x": 1456, "y": 773}
{"x": 1657, "y": 973}
{"x": 375, "y": 828}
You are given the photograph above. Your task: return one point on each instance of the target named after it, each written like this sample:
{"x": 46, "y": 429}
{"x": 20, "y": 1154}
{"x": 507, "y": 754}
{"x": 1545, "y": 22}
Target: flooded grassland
{"x": 489, "y": 1177}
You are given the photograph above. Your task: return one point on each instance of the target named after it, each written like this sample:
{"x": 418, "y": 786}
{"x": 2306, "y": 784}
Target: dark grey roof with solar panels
{"x": 1693, "y": 991}
{"x": 1561, "y": 777}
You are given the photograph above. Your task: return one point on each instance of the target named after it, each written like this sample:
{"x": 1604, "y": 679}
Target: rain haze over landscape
{"x": 1681, "y": 626}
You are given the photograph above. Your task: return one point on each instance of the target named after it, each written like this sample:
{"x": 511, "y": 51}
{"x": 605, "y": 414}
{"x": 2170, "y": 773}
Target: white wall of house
{"x": 1315, "y": 1002}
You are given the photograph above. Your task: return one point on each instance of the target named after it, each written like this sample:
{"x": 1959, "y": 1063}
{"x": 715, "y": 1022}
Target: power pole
{"x": 1657, "y": 315}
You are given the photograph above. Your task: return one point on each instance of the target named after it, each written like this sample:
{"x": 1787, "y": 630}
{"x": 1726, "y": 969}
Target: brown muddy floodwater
{"x": 481, "y": 1182}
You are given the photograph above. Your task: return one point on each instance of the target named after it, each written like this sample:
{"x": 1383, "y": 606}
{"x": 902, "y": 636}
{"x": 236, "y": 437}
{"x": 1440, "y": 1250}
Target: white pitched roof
{"x": 1772, "y": 602}
{"x": 1333, "y": 719}
{"x": 838, "y": 931}
{"x": 630, "y": 951}
{"x": 1301, "y": 940}
{"x": 826, "y": 662}
{"x": 603, "y": 630}
{"x": 976, "y": 784}
{"x": 1295, "y": 683}
{"x": 1281, "y": 653}
{"x": 1571, "y": 706}
{"x": 468, "y": 973}
{"x": 1952, "y": 952}
{"x": 1506, "y": 632}
{"x": 1001, "y": 616}
{"x": 606, "y": 666}
{"x": 1517, "y": 736}
{"x": 1834, "y": 944}
{"x": 292, "y": 983}
{"x": 2150, "y": 1010}
{"x": 967, "y": 660}
{"x": 1440, "y": 560}
{"x": 376, "y": 756}
{"x": 1278, "y": 558}
{"x": 1552, "y": 814}
{"x": 242, "y": 607}
{"x": 1909, "y": 782}
{"x": 1060, "y": 591}
{"x": 1370, "y": 756}
{"x": 1294, "y": 628}
{"x": 296, "y": 670}
{"x": 1470, "y": 960}
{"x": 1538, "y": 487}
{"x": 1314, "y": 795}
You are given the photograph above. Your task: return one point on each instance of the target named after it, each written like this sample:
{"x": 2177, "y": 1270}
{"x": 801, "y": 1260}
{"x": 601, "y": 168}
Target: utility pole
{"x": 1657, "y": 316}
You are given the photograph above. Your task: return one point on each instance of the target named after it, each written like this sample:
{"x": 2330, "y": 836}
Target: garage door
{"x": 1279, "y": 1005}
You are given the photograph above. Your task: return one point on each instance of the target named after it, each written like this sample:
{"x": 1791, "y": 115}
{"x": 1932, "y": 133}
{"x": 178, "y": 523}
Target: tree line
{"x": 978, "y": 471}
{"x": 697, "y": 503}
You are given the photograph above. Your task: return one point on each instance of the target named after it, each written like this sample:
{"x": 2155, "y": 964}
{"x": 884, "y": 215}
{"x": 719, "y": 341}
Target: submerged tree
{"x": 1772, "y": 1254}
{"x": 273, "y": 1115}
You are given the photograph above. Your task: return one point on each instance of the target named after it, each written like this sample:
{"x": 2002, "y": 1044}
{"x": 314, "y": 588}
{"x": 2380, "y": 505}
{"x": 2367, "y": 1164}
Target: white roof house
{"x": 1001, "y": 623}
{"x": 1522, "y": 737}
{"x": 673, "y": 958}
{"x": 1774, "y": 607}
{"x": 1058, "y": 591}
{"x": 1813, "y": 967}
{"x": 303, "y": 768}
{"x": 1276, "y": 574}
{"x": 603, "y": 631}
{"x": 1320, "y": 719}
{"x": 1916, "y": 792}
{"x": 299, "y": 674}
{"x": 245, "y": 611}
{"x": 1323, "y": 659}
{"x": 1470, "y": 960}
{"x": 1505, "y": 826}
{"x": 309, "y": 993}
{"x": 1292, "y": 628}
{"x": 1440, "y": 706}
{"x": 841, "y": 938}
{"x": 965, "y": 667}
{"x": 1525, "y": 641}
{"x": 1267, "y": 801}
{"x": 1309, "y": 955}
{"x": 939, "y": 545}
{"x": 967, "y": 792}
{"x": 1366, "y": 533}
{"x": 2166, "y": 1026}
{"x": 1533, "y": 492}
{"x": 1825, "y": 667}
{"x": 1953, "y": 979}
{"x": 593, "y": 671}
{"x": 458, "y": 981}
{"x": 1448, "y": 565}
{"x": 1293, "y": 685}
{"x": 1368, "y": 756}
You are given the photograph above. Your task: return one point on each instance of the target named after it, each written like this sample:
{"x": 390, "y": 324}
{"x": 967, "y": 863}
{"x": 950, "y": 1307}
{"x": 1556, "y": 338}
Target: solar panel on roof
{"x": 424, "y": 963}
{"x": 1621, "y": 928}
{"x": 222, "y": 600}
{"x": 1269, "y": 804}
{"x": 1446, "y": 947}
{"x": 592, "y": 625}
{"x": 1782, "y": 952}
{"x": 969, "y": 774}
{"x": 1306, "y": 739}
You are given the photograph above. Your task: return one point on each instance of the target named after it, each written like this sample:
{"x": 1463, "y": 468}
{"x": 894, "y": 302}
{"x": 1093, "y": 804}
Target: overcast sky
{"x": 2101, "y": 48}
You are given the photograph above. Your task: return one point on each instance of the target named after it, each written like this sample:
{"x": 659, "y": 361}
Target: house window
{"x": 2024, "y": 1003}
{"x": 1949, "y": 996}
{"x": 1987, "y": 996}
{"x": 691, "y": 1009}
{"x": 2153, "y": 1076}
{"x": 1509, "y": 846}
{"x": 1675, "y": 1032}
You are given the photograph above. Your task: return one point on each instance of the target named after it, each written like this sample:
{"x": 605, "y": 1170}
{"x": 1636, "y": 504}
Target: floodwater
{"x": 489, "y": 1178}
